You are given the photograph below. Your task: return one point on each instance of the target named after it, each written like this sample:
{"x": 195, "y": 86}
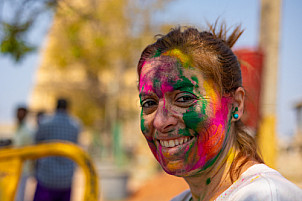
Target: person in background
{"x": 39, "y": 117}
{"x": 54, "y": 174}
{"x": 192, "y": 100}
{"x": 24, "y": 136}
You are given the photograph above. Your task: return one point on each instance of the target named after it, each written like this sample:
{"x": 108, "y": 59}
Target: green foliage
{"x": 15, "y": 26}
{"x": 13, "y": 43}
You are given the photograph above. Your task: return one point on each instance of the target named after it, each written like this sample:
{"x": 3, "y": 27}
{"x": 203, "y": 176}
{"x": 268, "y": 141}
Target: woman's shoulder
{"x": 259, "y": 182}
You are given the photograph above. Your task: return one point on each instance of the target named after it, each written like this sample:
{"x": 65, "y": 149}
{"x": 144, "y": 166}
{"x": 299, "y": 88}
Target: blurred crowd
{"x": 53, "y": 175}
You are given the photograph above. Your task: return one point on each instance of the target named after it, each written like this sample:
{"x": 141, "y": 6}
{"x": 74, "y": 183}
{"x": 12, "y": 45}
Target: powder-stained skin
{"x": 184, "y": 118}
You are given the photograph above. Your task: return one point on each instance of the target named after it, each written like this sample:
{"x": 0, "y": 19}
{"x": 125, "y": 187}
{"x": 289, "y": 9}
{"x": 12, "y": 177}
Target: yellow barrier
{"x": 11, "y": 161}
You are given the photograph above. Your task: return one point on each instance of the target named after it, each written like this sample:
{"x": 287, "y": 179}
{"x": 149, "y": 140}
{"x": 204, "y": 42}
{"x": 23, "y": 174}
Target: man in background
{"x": 54, "y": 174}
{"x": 24, "y": 136}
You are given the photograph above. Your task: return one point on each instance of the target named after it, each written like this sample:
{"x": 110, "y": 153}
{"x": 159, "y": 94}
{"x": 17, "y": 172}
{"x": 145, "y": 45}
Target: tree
{"x": 103, "y": 40}
{"x": 16, "y": 20}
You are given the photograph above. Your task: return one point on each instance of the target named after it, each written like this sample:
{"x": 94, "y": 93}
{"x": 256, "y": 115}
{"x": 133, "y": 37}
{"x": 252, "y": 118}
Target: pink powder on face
{"x": 156, "y": 78}
{"x": 212, "y": 142}
{"x": 145, "y": 83}
{"x": 166, "y": 87}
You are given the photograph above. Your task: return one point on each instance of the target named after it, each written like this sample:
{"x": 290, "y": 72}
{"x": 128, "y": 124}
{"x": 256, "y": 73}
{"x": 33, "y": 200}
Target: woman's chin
{"x": 180, "y": 172}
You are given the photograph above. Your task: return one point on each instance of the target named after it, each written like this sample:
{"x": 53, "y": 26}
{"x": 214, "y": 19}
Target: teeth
{"x": 185, "y": 140}
{"x": 173, "y": 143}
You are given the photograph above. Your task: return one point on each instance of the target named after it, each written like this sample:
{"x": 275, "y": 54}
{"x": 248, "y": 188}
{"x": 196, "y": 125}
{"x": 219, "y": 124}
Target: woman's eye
{"x": 148, "y": 103}
{"x": 148, "y": 106}
{"x": 185, "y": 99}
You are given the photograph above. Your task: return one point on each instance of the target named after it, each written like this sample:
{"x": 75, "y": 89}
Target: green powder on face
{"x": 143, "y": 128}
{"x": 195, "y": 79}
{"x": 157, "y": 53}
{"x": 184, "y": 132}
{"x": 140, "y": 96}
{"x": 192, "y": 118}
{"x": 184, "y": 83}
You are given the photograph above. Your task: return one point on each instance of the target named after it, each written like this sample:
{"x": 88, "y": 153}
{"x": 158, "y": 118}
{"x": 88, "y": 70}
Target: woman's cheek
{"x": 195, "y": 117}
{"x": 144, "y": 126}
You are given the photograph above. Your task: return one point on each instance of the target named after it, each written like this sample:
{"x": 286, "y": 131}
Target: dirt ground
{"x": 161, "y": 187}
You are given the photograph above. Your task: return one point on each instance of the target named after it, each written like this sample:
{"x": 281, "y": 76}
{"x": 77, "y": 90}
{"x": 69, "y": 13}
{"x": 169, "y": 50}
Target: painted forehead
{"x": 184, "y": 59}
{"x": 159, "y": 70}
{"x": 162, "y": 79}
{"x": 167, "y": 61}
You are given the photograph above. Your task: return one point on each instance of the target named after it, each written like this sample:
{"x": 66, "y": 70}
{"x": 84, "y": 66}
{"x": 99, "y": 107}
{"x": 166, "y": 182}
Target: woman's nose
{"x": 164, "y": 119}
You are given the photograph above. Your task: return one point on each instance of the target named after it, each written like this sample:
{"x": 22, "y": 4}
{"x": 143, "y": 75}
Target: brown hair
{"x": 211, "y": 52}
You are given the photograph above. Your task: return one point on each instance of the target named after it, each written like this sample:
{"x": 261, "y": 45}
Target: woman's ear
{"x": 238, "y": 98}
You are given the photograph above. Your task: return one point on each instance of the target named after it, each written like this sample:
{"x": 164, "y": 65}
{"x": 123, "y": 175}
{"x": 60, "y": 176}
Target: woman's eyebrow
{"x": 143, "y": 93}
{"x": 183, "y": 84}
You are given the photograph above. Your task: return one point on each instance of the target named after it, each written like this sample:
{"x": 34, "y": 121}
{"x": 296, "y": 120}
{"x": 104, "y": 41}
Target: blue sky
{"x": 17, "y": 80}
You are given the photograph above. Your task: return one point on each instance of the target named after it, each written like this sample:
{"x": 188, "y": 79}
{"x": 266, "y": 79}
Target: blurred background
{"x": 87, "y": 50}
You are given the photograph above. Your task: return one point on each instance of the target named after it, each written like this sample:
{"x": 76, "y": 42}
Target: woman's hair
{"x": 211, "y": 52}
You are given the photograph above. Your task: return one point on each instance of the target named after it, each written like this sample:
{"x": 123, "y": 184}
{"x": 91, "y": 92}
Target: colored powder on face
{"x": 195, "y": 79}
{"x": 184, "y": 84}
{"x": 216, "y": 137}
{"x": 154, "y": 80}
{"x": 192, "y": 119}
{"x": 221, "y": 116}
{"x": 210, "y": 162}
{"x": 212, "y": 93}
{"x": 145, "y": 85}
{"x": 187, "y": 151}
{"x": 143, "y": 65}
{"x": 184, "y": 59}
{"x": 157, "y": 85}
{"x": 231, "y": 154}
{"x": 143, "y": 128}
{"x": 157, "y": 53}
{"x": 184, "y": 132}
{"x": 162, "y": 80}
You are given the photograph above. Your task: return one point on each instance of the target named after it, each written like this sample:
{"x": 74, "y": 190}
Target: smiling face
{"x": 184, "y": 118}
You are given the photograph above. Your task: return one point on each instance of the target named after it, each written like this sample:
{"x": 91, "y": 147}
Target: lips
{"x": 174, "y": 142}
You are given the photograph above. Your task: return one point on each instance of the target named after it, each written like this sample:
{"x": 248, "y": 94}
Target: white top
{"x": 25, "y": 136}
{"x": 257, "y": 183}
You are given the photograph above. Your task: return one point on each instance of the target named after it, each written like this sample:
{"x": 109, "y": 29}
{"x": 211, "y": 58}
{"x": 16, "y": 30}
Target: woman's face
{"x": 183, "y": 117}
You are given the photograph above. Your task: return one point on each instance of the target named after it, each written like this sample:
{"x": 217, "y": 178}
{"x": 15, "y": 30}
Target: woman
{"x": 192, "y": 99}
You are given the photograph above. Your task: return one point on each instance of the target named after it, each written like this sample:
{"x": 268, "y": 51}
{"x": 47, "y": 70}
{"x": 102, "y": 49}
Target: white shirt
{"x": 257, "y": 183}
{"x": 25, "y": 136}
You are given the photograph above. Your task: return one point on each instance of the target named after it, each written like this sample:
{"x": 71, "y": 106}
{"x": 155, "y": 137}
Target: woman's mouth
{"x": 175, "y": 142}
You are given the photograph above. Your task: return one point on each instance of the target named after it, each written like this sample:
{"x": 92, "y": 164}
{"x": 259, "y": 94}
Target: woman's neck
{"x": 210, "y": 183}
